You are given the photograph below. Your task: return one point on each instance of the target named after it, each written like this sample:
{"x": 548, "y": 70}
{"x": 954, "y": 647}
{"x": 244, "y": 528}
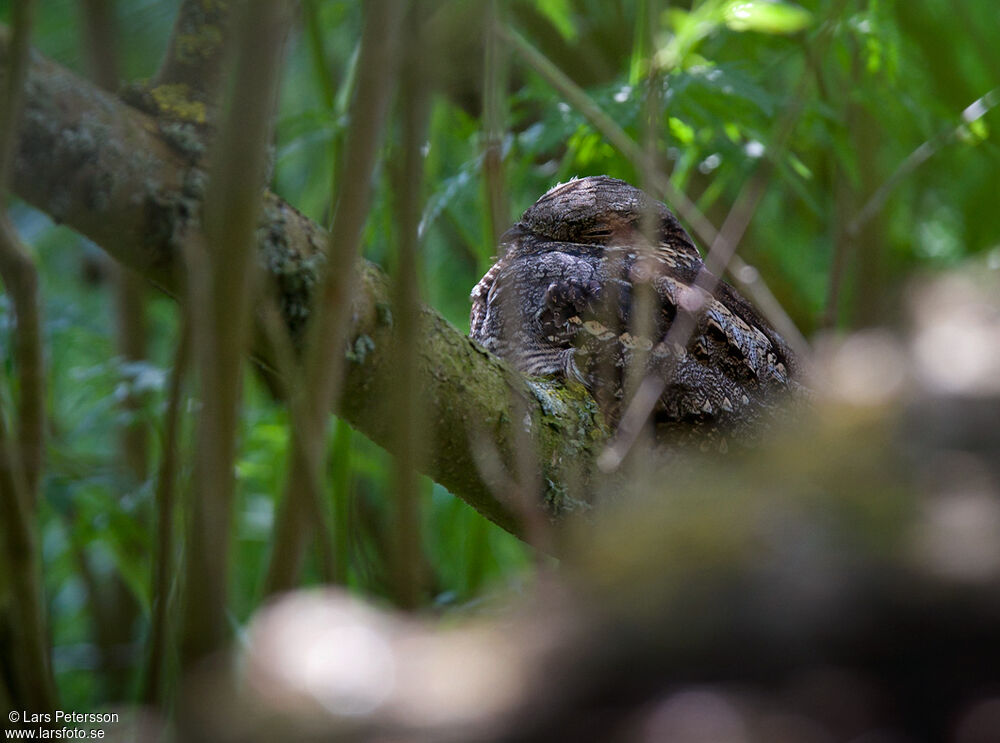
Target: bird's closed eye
{"x": 600, "y": 232}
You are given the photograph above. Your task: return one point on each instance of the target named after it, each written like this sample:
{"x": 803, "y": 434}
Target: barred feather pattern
{"x": 561, "y": 301}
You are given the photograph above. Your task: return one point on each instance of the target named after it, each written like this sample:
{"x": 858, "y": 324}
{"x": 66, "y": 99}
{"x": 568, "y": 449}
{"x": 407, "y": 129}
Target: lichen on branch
{"x": 118, "y": 176}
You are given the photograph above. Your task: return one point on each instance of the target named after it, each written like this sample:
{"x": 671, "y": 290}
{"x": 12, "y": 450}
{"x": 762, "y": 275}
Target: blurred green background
{"x": 869, "y": 84}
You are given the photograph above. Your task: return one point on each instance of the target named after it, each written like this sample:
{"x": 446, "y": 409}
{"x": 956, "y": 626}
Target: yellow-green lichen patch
{"x": 571, "y": 428}
{"x": 174, "y": 100}
{"x": 198, "y": 45}
{"x": 215, "y": 6}
{"x": 547, "y": 394}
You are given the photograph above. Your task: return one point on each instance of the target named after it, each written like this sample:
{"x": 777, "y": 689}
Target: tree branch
{"x": 134, "y": 187}
{"x": 189, "y": 81}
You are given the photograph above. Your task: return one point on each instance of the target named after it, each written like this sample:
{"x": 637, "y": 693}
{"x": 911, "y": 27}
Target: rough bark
{"x": 134, "y": 186}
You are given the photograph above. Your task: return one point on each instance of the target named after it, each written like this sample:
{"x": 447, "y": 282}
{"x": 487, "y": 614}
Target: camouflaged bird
{"x": 562, "y": 300}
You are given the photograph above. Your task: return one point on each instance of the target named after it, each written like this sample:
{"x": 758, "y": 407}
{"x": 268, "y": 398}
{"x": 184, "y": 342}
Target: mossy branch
{"x": 134, "y": 186}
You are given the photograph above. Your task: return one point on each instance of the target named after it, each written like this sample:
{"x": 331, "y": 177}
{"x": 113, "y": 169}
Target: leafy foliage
{"x": 869, "y": 82}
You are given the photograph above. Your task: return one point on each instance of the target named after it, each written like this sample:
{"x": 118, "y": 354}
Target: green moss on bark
{"x": 113, "y": 173}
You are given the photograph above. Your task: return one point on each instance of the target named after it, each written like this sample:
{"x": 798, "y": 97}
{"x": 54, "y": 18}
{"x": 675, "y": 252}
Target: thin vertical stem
{"x": 324, "y": 352}
{"x": 319, "y": 516}
{"x": 31, "y": 664}
{"x": 321, "y": 68}
{"x": 495, "y": 69}
{"x": 21, "y": 456}
{"x": 407, "y": 556}
{"x": 17, "y": 268}
{"x": 114, "y": 606}
{"x": 494, "y": 88}
{"x": 525, "y": 485}
{"x": 340, "y": 485}
{"x": 619, "y": 139}
{"x": 163, "y": 558}
{"x": 645, "y": 303}
{"x": 221, "y": 331}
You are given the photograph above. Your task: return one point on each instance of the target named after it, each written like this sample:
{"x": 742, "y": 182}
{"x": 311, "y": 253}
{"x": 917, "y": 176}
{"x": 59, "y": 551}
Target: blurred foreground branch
{"x": 222, "y": 283}
{"x": 135, "y": 186}
{"x": 837, "y": 583}
{"x": 25, "y": 662}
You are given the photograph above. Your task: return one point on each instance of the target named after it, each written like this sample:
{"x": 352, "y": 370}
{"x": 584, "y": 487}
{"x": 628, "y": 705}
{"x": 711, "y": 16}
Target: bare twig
{"x": 340, "y": 490}
{"x": 21, "y": 457}
{"x": 645, "y": 304}
{"x": 494, "y": 87}
{"x": 20, "y": 278}
{"x": 18, "y": 270}
{"x": 335, "y": 99}
{"x": 30, "y": 665}
{"x": 131, "y": 337}
{"x": 924, "y": 152}
{"x": 114, "y": 605}
{"x": 101, "y": 41}
{"x": 220, "y": 332}
{"x": 163, "y": 574}
{"x": 323, "y": 356}
{"x": 296, "y": 529}
{"x": 321, "y": 68}
{"x": 619, "y": 139}
{"x": 407, "y": 558}
{"x": 683, "y": 327}
{"x": 719, "y": 256}
{"x": 612, "y": 131}
{"x": 524, "y": 487}
{"x": 841, "y": 191}
{"x": 722, "y": 243}
{"x": 143, "y": 219}
{"x": 495, "y": 69}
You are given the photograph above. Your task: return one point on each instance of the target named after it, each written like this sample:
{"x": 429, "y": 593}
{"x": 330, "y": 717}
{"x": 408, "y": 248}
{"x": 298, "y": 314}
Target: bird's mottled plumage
{"x": 561, "y": 300}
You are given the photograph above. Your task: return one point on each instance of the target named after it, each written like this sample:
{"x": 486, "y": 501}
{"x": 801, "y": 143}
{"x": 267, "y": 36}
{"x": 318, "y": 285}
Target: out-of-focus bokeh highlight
{"x": 838, "y": 580}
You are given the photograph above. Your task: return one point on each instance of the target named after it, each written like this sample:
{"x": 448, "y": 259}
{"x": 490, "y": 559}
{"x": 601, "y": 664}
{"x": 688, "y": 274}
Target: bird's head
{"x": 597, "y": 210}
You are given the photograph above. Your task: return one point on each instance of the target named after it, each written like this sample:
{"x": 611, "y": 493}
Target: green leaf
{"x": 558, "y": 12}
{"x": 680, "y": 131}
{"x": 799, "y": 167}
{"x": 974, "y": 132}
{"x": 766, "y": 17}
